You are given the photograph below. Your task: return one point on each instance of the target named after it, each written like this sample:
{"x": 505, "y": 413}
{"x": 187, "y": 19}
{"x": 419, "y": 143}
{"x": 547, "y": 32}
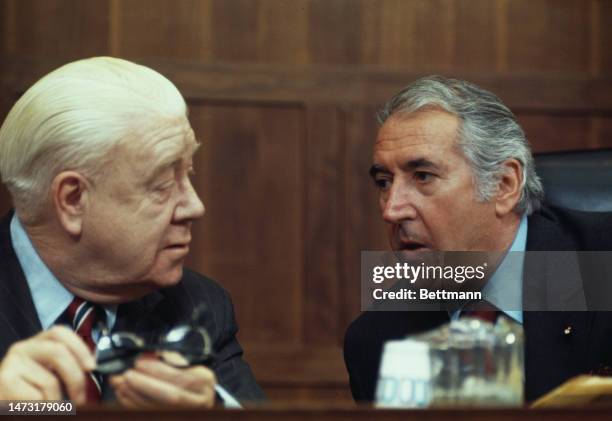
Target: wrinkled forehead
{"x": 164, "y": 142}
{"x": 428, "y": 127}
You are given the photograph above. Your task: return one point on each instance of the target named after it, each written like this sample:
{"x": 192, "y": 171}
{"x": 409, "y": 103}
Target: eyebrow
{"x": 377, "y": 168}
{"x": 171, "y": 160}
{"x": 420, "y": 163}
{"x": 158, "y": 171}
{"x": 409, "y": 165}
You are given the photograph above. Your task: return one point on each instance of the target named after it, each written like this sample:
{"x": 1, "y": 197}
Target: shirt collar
{"x": 50, "y": 297}
{"x": 505, "y": 288}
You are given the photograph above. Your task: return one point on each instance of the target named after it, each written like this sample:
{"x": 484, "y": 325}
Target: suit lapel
{"x": 18, "y": 317}
{"x": 556, "y": 343}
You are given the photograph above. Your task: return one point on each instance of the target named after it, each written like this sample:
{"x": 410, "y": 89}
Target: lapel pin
{"x": 567, "y": 331}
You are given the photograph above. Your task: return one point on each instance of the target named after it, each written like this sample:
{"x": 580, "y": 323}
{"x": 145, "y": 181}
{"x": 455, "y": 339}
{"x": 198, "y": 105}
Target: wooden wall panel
{"x": 308, "y": 365}
{"x": 6, "y": 45}
{"x": 6, "y": 29}
{"x": 603, "y": 38}
{"x": 338, "y": 25}
{"x": 5, "y": 199}
{"x": 250, "y": 176}
{"x": 163, "y": 29}
{"x": 544, "y": 37}
{"x": 415, "y": 33}
{"x": 235, "y": 33}
{"x": 282, "y": 32}
{"x": 602, "y": 131}
{"x": 364, "y": 227}
{"x": 6, "y": 102}
{"x": 323, "y": 265}
{"x": 476, "y": 40}
{"x": 321, "y": 395}
{"x": 65, "y": 28}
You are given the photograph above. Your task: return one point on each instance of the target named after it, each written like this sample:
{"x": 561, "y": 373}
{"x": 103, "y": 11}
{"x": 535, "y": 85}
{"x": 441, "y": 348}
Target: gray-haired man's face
{"x": 426, "y": 191}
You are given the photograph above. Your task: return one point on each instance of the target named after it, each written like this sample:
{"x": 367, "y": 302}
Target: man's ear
{"x": 509, "y": 187}
{"x": 70, "y": 194}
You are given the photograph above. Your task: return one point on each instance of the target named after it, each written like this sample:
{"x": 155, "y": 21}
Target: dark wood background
{"x": 282, "y": 94}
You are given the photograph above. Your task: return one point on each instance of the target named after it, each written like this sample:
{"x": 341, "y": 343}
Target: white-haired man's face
{"x": 137, "y": 229}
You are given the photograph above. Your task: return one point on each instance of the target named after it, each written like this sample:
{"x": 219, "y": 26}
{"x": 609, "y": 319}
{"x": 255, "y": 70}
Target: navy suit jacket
{"x": 149, "y": 316}
{"x": 551, "y": 355}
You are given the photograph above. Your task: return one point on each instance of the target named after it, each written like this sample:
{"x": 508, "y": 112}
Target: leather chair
{"x": 579, "y": 180}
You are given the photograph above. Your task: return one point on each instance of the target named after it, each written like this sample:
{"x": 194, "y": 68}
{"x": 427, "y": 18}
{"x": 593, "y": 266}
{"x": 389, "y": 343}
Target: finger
{"x": 206, "y": 396}
{"x": 193, "y": 378}
{"x": 173, "y": 358}
{"x": 201, "y": 380}
{"x": 160, "y": 391}
{"x": 56, "y": 357}
{"x": 160, "y": 370}
{"x": 20, "y": 389}
{"x": 48, "y": 384}
{"x": 125, "y": 400}
{"x": 127, "y": 395}
{"x": 153, "y": 388}
{"x": 75, "y": 344}
{"x": 134, "y": 399}
{"x": 116, "y": 381}
{"x": 17, "y": 376}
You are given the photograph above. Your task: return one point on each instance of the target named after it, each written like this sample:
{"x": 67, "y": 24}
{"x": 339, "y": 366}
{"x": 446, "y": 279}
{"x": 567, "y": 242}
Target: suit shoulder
{"x": 591, "y": 229}
{"x": 195, "y": 288}
{"x": 365, "y": 324}
{"x": 584, "y": 217}
{"x": 196, "y": 282}
{"x": 371, "y": 328}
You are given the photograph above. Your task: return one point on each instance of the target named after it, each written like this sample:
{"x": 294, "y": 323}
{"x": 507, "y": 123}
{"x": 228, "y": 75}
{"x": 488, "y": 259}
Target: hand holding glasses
{"x": 183, "y": 346}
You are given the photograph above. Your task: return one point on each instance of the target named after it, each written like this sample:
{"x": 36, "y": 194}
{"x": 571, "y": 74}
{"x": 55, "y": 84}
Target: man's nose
{"x": 190, "y": 205}
{"x": 398, "y": 205}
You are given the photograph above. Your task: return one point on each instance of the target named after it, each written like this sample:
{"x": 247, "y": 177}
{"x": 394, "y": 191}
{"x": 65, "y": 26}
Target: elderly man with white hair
{"x": 97, "y": 156}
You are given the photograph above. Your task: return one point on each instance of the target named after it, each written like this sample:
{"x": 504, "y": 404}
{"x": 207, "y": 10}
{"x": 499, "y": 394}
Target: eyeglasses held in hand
{"x": 183, "y": 346}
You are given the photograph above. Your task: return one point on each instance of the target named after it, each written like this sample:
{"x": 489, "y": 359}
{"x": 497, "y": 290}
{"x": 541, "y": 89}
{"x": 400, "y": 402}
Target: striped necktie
{"x": 482, "y": 310}
{"x": 82, "y": 315}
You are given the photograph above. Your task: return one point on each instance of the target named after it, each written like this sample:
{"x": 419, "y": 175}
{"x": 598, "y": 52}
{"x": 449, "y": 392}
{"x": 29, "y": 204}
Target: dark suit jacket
{"x": 149, "y": 316}
{"x": 551, "y": 356}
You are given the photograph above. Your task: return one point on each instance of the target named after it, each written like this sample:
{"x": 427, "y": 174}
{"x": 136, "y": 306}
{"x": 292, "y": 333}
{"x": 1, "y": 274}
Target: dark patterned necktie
{"x": 482, "y": 310}
{"x": 484, "y": 315}
{"x": 82, "y": 315}
{"x": 486, "y": 312}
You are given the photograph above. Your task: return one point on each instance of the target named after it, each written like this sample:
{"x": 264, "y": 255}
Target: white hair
{"x": 488, "y": 134}
{"x": 70, "y": 120}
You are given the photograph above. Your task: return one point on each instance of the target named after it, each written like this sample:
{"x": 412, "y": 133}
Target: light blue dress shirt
{"x": 505, "y": 288}
{"x": 50, "y": 297}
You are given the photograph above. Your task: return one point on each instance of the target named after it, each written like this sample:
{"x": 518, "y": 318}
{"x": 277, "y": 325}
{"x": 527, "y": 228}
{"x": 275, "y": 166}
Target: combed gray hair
{"x": 72, "y": 118}
{"x": 488, "y": 133}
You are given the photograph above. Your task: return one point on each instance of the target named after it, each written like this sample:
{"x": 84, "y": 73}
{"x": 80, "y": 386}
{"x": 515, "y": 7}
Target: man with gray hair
{"x": 97, "y": 156}
{"x": 455, "y": 172}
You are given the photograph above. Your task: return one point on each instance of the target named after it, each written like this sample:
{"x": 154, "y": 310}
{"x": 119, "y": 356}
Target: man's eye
{"x": 165, "y": 186}
{"x": 423, "y": 176}
{"x": 382, "y": 184}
